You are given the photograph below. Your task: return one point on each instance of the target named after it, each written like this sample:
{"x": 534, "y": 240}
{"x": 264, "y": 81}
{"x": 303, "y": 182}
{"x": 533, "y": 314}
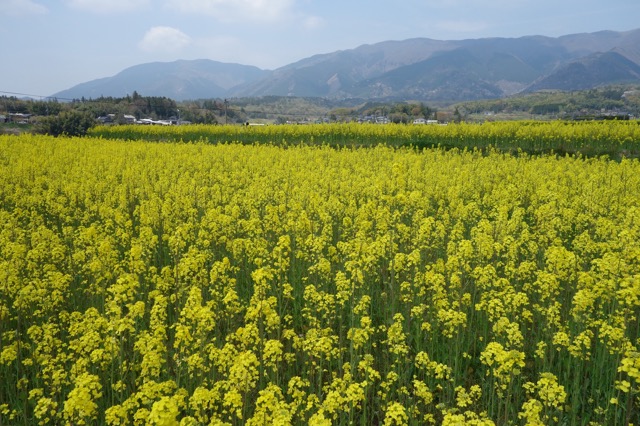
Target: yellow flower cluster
{"x": 191, "y": 284}
{"x": 546, "y": 408}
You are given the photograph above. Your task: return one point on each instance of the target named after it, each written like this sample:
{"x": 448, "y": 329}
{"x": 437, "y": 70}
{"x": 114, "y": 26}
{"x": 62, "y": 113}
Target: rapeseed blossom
{"x": 80, "y": 406}
{"x": 188, "y": 284}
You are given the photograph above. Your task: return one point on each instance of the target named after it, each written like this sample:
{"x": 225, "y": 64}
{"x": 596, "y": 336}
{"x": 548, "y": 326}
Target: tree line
{"x": 622, "y": 99}
{"x": 74, "y": 117}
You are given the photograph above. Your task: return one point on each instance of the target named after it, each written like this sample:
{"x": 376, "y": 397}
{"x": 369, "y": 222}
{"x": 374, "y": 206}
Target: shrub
{"x": 68, "y": 123}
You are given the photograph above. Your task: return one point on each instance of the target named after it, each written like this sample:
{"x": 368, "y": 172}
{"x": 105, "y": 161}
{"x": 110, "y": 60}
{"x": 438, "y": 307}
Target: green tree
{"x": 458, "y": 116}
{"x": 45, "y": 107}
{"x": 68, "y": 123}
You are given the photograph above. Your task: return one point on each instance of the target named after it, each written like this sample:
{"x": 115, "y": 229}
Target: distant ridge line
{"x": 420, "y": 69}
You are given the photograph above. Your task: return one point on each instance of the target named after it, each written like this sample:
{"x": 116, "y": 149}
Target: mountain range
{"x": 415, "y": 69}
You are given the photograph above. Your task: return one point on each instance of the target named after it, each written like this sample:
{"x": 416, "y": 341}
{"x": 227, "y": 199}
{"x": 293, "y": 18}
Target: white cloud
{"x": 108, "y": 6}
{"x": 21, "y": 7}
{"x": 236, "y": 10}
{"x": 164, "y": 39}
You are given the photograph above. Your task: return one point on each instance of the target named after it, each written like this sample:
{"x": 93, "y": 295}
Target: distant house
{"x": 104, "y": 119}
{"x": 3, "y": 118}
{"x": 113, "y": 118}
{"x": 150, "y": 121}
{"x": 19, "y": 117}
{"x": 424, "y": 121}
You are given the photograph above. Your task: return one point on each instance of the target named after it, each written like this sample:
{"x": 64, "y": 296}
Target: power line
{"x": 34, "y": 96}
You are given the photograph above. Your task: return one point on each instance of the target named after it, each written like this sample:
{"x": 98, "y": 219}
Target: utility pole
{"x": 226, "y": 105}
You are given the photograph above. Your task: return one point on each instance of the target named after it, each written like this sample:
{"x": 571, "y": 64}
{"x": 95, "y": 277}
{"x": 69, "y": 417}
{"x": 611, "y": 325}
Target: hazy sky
{"x": 51, "y": 45}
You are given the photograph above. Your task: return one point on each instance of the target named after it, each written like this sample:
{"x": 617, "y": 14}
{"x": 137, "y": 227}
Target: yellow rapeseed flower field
{"x": 230, "y": 284}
